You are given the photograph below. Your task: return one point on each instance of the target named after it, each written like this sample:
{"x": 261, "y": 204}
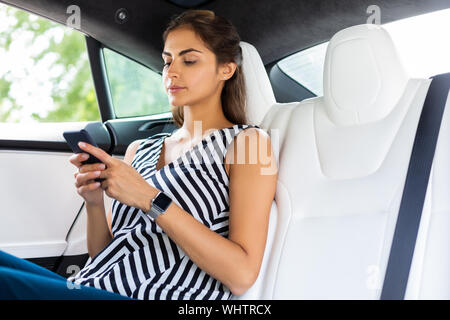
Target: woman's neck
{"x": 199, "y": 122}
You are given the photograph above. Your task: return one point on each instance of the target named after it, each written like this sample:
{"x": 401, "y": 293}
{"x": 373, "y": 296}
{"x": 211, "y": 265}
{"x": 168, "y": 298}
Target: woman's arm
{"x": 99, "y": 233}
{"x": 234, "y": 261}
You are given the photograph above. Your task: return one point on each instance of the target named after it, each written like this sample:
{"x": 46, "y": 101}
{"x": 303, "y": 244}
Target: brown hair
{"x": 221, "y": 37}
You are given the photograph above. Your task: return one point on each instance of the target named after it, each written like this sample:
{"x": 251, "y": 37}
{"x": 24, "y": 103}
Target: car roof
{"x": 276, "y": 28}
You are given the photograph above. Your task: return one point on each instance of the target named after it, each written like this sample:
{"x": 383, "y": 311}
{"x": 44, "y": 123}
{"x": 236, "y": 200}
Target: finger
{"x": 92, "y": 167}
{"x": 83, "y": 178}
{"x": 96, "y": 152}
{"x": 88, "y": 187}
{"x": 104, "y": 174}
{"x": 104, "y": 185}
{"x": 77, "y": 158}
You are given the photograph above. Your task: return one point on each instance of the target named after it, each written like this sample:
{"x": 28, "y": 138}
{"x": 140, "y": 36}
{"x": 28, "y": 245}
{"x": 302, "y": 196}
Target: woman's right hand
{"x": 84, "y": 179}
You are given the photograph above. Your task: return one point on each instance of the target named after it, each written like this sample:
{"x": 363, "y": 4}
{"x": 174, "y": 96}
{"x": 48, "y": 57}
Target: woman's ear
{"x": 227, "y": 70}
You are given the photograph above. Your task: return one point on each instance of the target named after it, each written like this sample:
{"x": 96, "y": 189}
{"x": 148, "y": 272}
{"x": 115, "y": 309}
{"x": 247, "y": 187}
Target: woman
{"x": 209, "y": 241}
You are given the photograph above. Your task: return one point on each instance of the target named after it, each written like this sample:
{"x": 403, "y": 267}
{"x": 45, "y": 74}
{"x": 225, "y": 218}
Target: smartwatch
{"x": 159, "y": 205}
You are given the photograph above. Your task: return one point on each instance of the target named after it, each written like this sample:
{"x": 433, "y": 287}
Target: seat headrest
{"x": 260, "y": 95}
{"x": 363, "y": 76}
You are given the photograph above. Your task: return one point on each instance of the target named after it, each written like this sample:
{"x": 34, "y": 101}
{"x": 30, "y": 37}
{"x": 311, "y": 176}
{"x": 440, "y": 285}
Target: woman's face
{"x": 189, "y": 64}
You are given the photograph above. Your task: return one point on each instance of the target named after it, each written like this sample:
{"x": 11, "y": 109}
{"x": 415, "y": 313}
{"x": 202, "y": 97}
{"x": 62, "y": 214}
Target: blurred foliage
{"x": 72, "y": 91}
{"x": 128, "y": 80}
{"x": 135, "y": 89}
{"x": 5, "y": 111}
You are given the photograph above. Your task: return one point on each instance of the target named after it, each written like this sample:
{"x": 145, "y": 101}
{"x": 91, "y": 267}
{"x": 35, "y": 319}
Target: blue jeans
{"x": 22, "y": 279}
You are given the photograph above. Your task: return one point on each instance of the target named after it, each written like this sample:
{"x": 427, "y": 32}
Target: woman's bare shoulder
{"x": 131, "y": 151}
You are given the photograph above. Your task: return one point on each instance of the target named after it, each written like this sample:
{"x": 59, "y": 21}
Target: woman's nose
{"x": 172, "y": 75}
{"x": 172, "y": 70}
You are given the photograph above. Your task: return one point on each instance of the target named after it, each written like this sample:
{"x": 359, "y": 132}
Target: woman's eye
{"x": 186, "y": 62}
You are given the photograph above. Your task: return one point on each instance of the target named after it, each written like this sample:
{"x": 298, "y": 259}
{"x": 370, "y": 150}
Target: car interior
{"x": 344, "y": 156}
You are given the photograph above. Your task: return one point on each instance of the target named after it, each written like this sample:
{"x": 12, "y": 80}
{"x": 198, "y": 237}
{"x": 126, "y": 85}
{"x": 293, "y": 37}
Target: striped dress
{"x": 141, "y": 261}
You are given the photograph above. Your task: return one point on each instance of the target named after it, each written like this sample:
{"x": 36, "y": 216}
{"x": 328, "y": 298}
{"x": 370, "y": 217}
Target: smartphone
{"x": 72, "y": 139}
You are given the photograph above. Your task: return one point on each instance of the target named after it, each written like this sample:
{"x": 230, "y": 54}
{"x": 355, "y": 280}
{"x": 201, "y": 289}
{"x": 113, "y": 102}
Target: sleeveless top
{"x": 141, "y": 261}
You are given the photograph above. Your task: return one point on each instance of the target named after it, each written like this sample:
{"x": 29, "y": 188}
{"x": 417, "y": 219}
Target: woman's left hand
{"x": 123, "y": 182}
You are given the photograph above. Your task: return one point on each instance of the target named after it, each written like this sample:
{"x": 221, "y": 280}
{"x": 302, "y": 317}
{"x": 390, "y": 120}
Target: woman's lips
{"x": 175, "y": 90}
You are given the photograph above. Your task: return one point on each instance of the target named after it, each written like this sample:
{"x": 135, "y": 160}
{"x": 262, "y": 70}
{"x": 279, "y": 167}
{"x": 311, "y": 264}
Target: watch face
{"x": 162, "y": 201}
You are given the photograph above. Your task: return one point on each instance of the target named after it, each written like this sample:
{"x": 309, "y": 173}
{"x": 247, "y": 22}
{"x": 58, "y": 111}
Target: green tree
{"x": 7, "y": 105}
{"x": 135, "y": 89}
{"x": 72, "y": 91}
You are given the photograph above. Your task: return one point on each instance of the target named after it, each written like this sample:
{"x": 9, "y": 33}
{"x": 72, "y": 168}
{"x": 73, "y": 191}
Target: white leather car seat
{"x": 260, "y": 99}
{"x": 343, "y": 160}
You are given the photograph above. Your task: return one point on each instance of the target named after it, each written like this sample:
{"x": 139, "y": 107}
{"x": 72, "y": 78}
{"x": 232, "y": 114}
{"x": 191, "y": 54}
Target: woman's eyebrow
{"x": 181, "y": 52}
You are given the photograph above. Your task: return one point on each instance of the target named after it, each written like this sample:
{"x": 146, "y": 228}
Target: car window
{"x": 135, "y": 89}
{"x": 420, "y": 42}
{"x": 44, "y": 71}
{"x": 306, "y": 67}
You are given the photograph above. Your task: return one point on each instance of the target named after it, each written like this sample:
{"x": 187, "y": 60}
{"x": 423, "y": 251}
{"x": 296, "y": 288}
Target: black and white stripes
{"x": 141, "y": 261}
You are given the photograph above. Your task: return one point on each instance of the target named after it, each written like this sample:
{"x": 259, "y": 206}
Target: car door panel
{"x": 39, "y": 199}
{"x": 39, "y": 202}
{"x": 131, "y": 129}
